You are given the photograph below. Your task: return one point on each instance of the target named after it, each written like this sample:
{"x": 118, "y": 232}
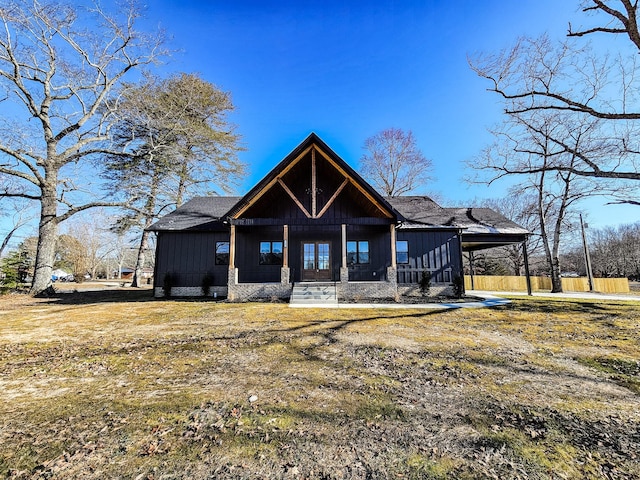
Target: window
{"x": 270, "y": 253}
{"x": 357, "y": 252}
{"x": 222, "y": 253}
{"x": 402, "y": 251}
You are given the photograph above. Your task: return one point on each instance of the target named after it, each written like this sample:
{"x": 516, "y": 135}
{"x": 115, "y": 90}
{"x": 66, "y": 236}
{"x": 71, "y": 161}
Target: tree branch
{"x": 19, "y": 174}
{"x": 628, "y": 19}
{"x": 8, "y": 194}
{"x": 73, "y": 210}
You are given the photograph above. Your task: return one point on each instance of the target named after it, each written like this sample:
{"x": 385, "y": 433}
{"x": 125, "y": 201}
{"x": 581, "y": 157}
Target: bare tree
{"x": 20, "y": 217}
{"x": 519, "y": 207}
{"x": 393, "y": 162}
{"x": 615, "y": 251}
{"x": 525, "y": 148}
{"x": 57, "y": 75}
{"x": 72, "y": 255}
{"x": 93, "y": 234}
{"x": 120, "y": 251}
{"x": 594, "y": 85}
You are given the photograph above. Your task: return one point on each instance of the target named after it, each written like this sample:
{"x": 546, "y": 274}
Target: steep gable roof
{"x": 480, "y": 227}
{"x": 312, "y": 144}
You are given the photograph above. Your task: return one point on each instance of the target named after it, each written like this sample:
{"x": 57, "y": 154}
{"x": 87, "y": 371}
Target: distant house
{"x": 314, "y": 219}
{"x": 126, "y": 273}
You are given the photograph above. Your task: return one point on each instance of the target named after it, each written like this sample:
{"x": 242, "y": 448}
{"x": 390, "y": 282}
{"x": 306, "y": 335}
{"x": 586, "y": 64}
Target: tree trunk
{"x": 47, "y": 235}
{"x": 144, "y": 243}
{"x": 553, "y": 255}
{"x": 120, "y": 265}
{"x": 5, "y": 242}
{"x": 182, "y": 183}
{"x": 94, "y": 269}
{"x": 552, "y": 260}
{"x": 556, "y": 278}
{"x": 516, "y": 259}
{"x": 556, "y": 275}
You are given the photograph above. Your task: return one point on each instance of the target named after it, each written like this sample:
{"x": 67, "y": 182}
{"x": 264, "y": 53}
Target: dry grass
{"x": 114, "y": 384}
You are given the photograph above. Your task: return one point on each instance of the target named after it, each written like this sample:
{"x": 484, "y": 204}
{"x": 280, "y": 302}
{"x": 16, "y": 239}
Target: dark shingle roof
{"x": 419, "y": 210}
{"x": 200, "y": 213}
{"x": 207, "y": 213}
{"x": 482, "y": 220}
{"x": 423, "y": 212}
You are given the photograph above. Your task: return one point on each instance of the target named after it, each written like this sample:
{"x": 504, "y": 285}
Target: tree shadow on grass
{"x": 327, "y": 329}
{"x": 100, "y": 296}
{"x": 557, "y": 306}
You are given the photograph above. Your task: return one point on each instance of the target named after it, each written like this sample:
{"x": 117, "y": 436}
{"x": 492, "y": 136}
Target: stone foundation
{"x": 285, "y": 273}
{"x": 357, "y": 290}
{"x": 346, "y": 291}
{"x": 214, "y": 291}
{"x": 239, "y": 292}
{"x": 361, "y": 290}
{"x": 254, "y": 291}
{"x": 436, "y": 290}
{"x": 344, "y": 274}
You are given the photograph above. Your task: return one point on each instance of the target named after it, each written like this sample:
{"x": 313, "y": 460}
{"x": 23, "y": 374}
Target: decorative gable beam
{"x": 333, "y": 198}
{"x": 383, "y": 210}
{"x": 266, "y": 188}
{"x": 293, "y": 197}
{"x": 317, "y": 211}
{"x": 314, "y": 184}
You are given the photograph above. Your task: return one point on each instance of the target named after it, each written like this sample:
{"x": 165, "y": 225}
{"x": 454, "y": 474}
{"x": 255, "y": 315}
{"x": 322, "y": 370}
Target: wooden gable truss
{"x": 316, "y": 210}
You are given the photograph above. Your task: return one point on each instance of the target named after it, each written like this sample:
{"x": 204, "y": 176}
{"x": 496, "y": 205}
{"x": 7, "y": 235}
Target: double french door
{"x": 316, "y": 261}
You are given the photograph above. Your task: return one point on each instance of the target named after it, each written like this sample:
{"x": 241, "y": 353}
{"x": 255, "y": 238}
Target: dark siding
{"x": 379, "y": 239}
{"x": 275, "y": 203}
{"x": 248, "y": 247}
{"x": 189, "y": 257}
{"x": 437, "y": 252}
{"x": 298, "y": 179}
{"x": 248, "y": 254}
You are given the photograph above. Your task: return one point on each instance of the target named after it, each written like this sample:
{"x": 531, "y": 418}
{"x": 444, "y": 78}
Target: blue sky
{"x": 347, "y": 70}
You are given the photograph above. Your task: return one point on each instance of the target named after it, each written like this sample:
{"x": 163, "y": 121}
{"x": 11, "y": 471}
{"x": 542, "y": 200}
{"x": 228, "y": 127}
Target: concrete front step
{"x": 310, "y": 293}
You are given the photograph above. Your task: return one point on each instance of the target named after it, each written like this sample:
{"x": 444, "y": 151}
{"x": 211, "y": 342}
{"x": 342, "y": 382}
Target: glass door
{"x": 316, "y": 261}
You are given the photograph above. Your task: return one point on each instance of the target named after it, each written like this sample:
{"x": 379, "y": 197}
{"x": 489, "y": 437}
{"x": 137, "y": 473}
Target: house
{"x": 314, "y": 219}
{"x": 126, "y": 273}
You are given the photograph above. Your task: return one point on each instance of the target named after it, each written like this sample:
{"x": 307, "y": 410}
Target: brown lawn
{"x": 117, "y": 385}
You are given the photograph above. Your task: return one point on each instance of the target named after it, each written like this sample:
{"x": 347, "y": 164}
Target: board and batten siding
{"x": 189, "y": 257}
{"x": 379, "y": 239}
{"x": 248, "y": 254}
{"x": 437, "y": 252}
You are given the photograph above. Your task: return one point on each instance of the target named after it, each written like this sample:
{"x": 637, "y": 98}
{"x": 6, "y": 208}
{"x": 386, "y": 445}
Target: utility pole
{"x": 587, "y": 257}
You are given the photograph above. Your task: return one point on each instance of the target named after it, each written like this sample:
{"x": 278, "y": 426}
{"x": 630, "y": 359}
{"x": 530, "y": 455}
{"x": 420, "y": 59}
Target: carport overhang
{"x": 474, "y": 241}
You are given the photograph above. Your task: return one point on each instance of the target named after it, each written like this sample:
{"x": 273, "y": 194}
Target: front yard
{"x": 117, "y": 385}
